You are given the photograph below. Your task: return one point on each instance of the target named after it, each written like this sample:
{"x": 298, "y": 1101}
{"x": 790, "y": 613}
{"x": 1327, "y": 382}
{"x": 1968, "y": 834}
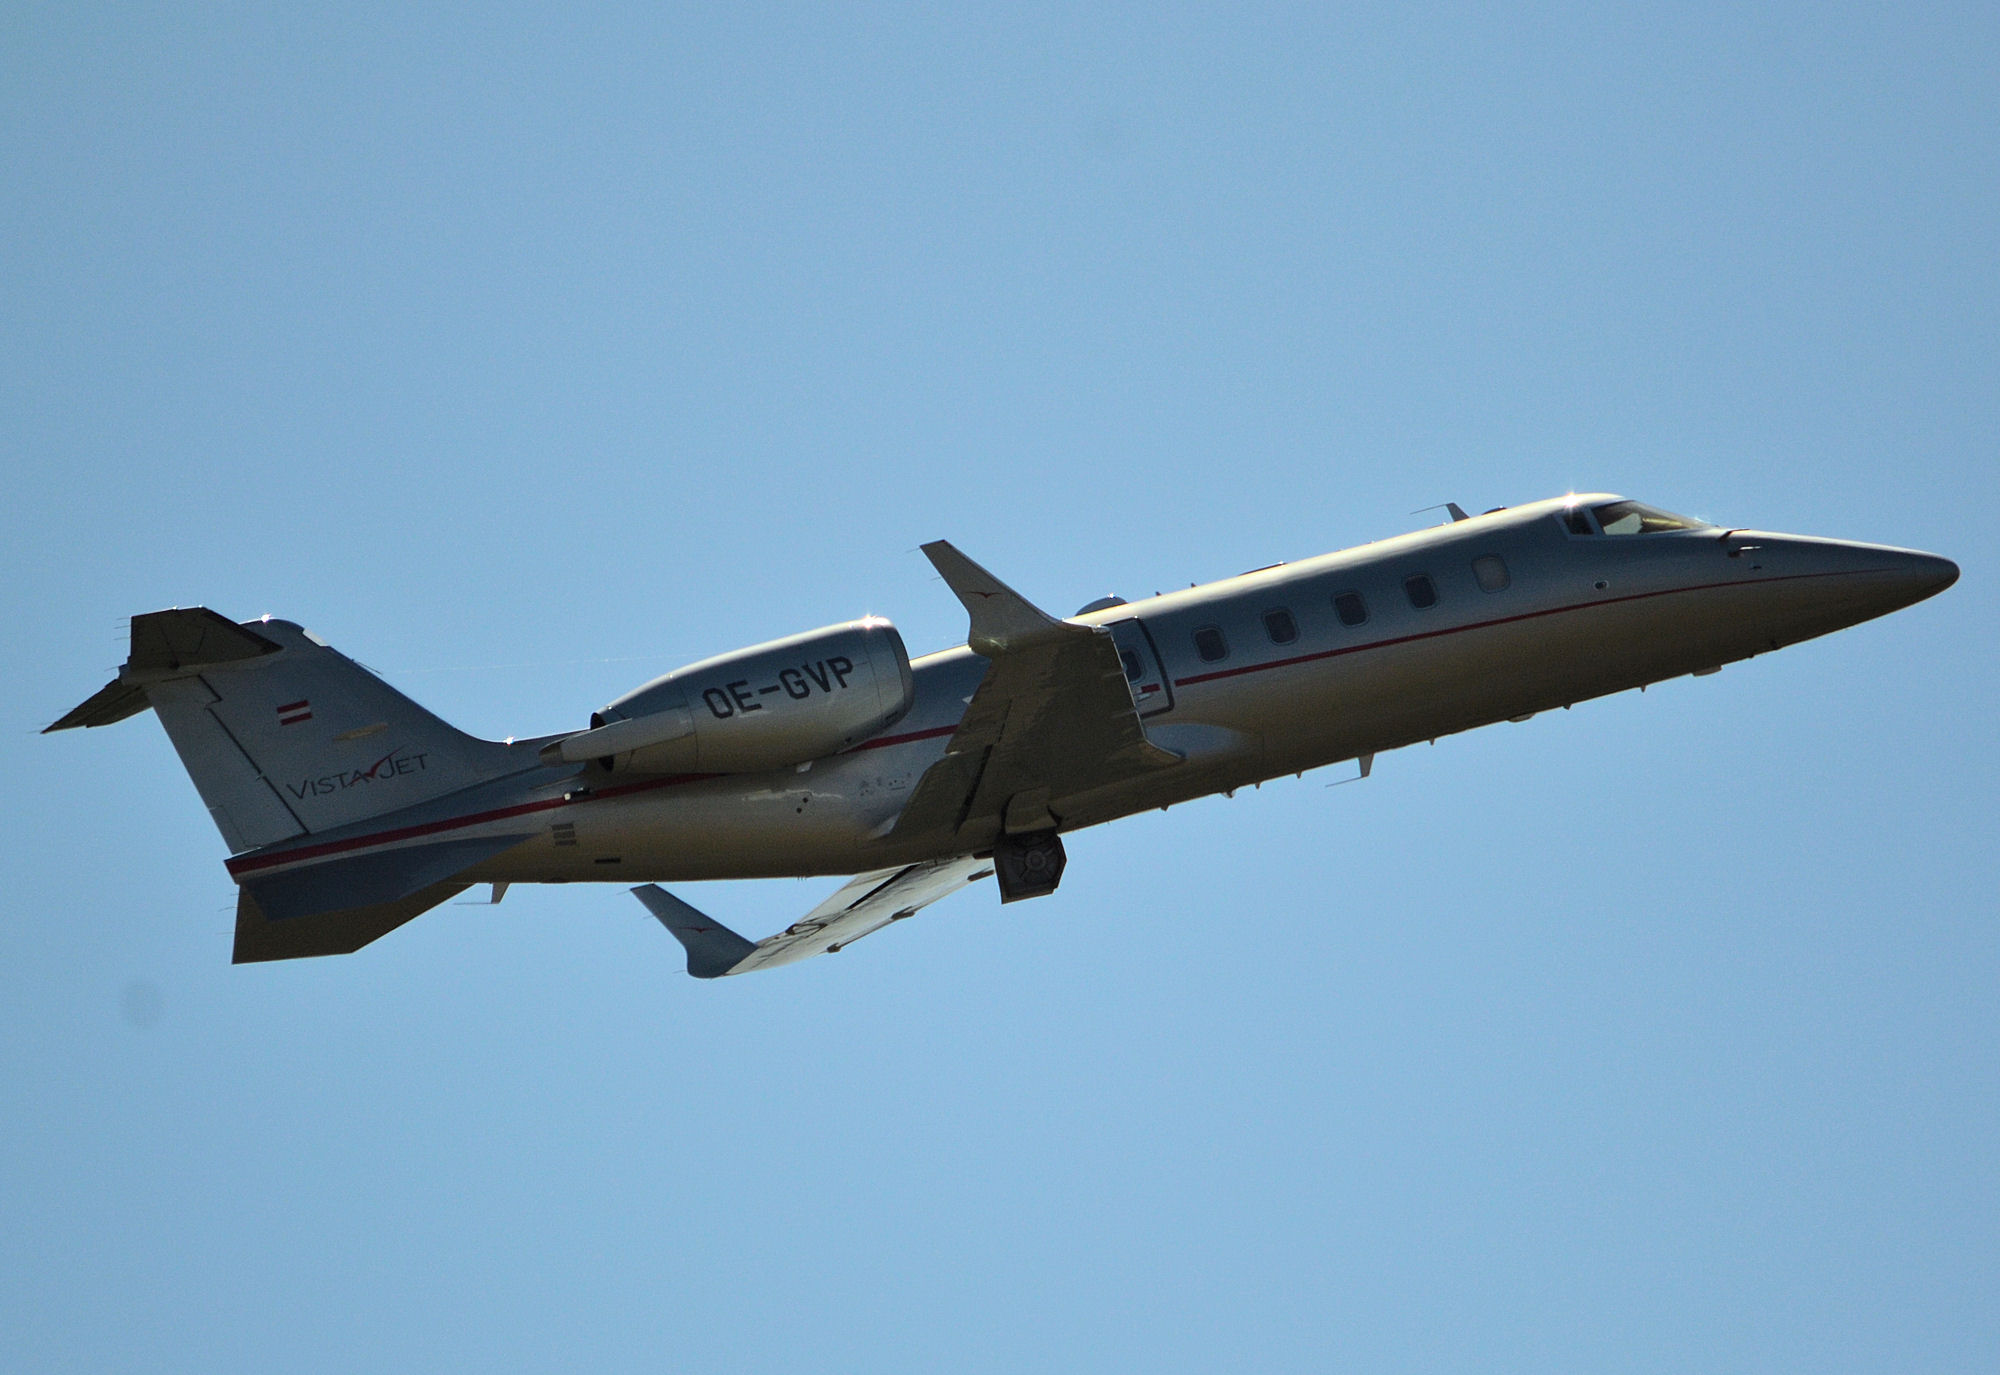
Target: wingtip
{"x": 1001, "y": 618}
{"x": 712, "y": 948}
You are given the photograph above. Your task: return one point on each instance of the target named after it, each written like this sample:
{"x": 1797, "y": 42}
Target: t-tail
{"x": 287, "y": 738}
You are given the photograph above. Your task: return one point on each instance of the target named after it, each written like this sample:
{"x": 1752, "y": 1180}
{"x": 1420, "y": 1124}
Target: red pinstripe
{"x": 252, "y": 863}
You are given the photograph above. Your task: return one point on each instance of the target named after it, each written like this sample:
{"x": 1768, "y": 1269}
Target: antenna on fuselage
{"x": 1366, "y": 761}
{"x": 1457, "y": 511}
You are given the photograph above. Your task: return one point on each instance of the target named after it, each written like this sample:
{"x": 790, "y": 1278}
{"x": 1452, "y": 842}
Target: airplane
{"x": 349, "y": 809}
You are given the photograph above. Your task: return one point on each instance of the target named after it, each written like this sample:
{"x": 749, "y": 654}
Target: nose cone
{"x": 1900, "y": 577}
{"x": 1926, "y": 575}
{"x": 1823, "y": 584}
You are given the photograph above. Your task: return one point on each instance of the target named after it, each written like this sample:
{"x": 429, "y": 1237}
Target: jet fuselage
{"x": 1274, "y": 672}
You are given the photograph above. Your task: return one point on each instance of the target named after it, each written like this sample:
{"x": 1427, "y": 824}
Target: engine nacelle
{"x": 783, "y": 703}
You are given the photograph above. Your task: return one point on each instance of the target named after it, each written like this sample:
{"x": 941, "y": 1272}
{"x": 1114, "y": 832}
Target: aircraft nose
{"x": 1909, "y": 575}
{"x": 1860, "y": 581}
{"x": 1926, "y": 575}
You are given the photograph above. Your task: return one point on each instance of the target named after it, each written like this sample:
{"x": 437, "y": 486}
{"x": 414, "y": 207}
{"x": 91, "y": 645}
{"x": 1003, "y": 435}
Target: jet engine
{"x": 783, "y": 703}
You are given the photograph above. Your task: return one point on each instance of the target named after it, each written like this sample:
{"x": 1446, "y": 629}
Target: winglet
{"x": 1002, "y": 619}
{"x": 713, "y": 949}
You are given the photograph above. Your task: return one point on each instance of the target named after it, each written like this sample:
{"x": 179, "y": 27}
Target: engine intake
{"x": 767, "y": 707}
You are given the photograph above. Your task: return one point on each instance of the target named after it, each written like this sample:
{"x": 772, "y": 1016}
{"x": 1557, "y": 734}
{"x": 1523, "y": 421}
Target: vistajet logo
{"x": 398, "y": 763}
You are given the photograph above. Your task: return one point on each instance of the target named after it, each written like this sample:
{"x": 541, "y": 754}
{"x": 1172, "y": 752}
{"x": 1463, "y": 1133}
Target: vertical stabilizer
{"x": 282, "y": 734}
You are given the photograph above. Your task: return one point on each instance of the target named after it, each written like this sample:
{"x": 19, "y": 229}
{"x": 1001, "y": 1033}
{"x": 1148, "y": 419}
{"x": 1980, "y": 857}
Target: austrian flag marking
{"x": 292, "y": 713}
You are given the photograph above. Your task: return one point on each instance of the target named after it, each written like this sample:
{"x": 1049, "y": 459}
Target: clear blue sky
{"x": 526, "y": 353}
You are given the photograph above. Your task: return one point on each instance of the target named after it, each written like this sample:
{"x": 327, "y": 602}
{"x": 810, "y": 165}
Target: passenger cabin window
{"x": 1132, "y": 667}
{"x": 1350, "y": 608}
{"x": 1491, "y": 572}
{"x": 1208, "y": 643}
{"x": 1632, "y": 518}
{"x": 1423, "y": 592}
{"x": 1280, "y": 626}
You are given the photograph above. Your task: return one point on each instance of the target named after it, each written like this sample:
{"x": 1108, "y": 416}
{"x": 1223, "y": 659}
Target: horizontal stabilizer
{"x": 713, "y": 949}
{"x": 108, "y": 706}
{"x": 164, "y": 644}
{"x": 191, "y": 637}
{"x": 370, "y": 880}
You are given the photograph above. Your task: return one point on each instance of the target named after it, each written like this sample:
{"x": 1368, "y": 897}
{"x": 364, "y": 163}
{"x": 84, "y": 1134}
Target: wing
{"x": 1052, "y": 717}
{"x": 866, "y": 904}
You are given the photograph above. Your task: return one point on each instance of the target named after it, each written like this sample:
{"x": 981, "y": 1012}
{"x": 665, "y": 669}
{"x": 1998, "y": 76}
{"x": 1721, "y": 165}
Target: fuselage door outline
{"x": 1152, "y": 689}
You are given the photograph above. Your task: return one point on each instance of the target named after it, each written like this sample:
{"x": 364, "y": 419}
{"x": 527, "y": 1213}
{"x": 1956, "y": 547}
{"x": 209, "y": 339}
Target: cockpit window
{"x": 1634, "y": 518}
